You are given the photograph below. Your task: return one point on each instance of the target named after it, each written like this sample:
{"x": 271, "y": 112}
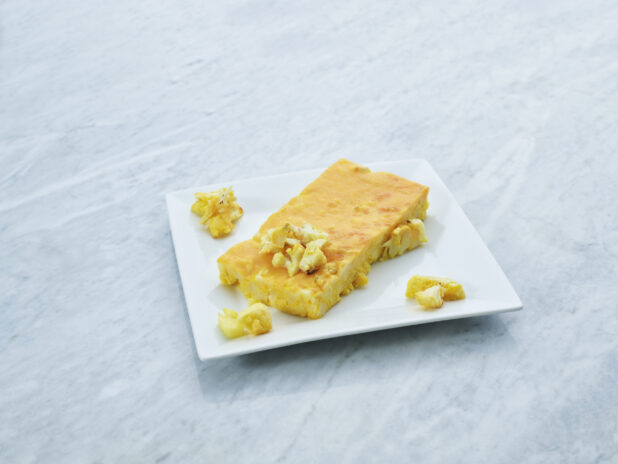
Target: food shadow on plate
{"x": 227, "y": 296}
{"x": 350, "y": 360}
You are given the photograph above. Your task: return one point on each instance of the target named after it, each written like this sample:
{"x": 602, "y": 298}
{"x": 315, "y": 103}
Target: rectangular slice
{"x": 367, "y": 216}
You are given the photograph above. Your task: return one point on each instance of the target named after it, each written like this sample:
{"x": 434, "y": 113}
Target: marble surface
{"x": 105, "y": 106}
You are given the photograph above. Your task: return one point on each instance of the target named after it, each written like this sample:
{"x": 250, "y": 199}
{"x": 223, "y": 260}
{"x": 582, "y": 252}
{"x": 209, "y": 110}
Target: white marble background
{"x": 105, "y": 106}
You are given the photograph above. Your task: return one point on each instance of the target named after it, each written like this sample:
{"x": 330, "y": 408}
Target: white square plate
{"x": 455, "y": 250}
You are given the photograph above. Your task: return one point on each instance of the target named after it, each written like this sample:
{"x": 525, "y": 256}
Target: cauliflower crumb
{"x": 302, "y": 245}
{"x": 218, "y": 210}
{"x": 256, "y": 320}
{"x": 360, "y": 280}
{"x": 430, "y": 298}
{"x": 347, "y": 289}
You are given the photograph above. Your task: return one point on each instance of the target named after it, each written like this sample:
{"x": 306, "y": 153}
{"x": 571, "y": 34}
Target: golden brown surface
{"x": 357, "y": 208}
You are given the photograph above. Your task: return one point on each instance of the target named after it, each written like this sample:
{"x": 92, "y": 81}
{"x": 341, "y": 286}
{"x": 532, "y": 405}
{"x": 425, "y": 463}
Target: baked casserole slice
{"x": 366, "y": 216}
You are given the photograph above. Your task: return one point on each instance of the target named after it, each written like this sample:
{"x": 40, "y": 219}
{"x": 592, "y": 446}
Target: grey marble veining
{"x": 105, "y": 106}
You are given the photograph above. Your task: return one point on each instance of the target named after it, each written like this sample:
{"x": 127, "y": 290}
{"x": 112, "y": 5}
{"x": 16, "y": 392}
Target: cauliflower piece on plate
{"x": 218, "y": 210}
{"x": 452, "y": 290}
{"x": 431, "y": 298}
{"x": 256, "y": 320}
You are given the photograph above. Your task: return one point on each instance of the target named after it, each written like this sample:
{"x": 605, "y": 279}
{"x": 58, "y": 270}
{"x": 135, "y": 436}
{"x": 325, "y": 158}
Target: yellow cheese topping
{"x": 256, "y": 320}
{"x": 218, "y": 210}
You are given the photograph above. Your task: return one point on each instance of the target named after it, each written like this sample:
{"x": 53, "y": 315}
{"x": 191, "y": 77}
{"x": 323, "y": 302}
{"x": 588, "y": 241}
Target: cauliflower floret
{"x": 279, "y": 260}
{"x": 292, "y": 262}
{"x": 431, "y": 298}
{"x": 403, "y": 238}
{"x": 256, "y": 319}
{"x": 218, "y": 210}
{"x": 418, "y": 226}
{"x": 230, "y": 325}
{"x": 452, "y": 290}
{"x": 307, "y": 234}
{"x": 296, "y": 255}
{"x": 302, "y": 245}
{"x": 314, "y": 257}
{"x": 275, "y": 239}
